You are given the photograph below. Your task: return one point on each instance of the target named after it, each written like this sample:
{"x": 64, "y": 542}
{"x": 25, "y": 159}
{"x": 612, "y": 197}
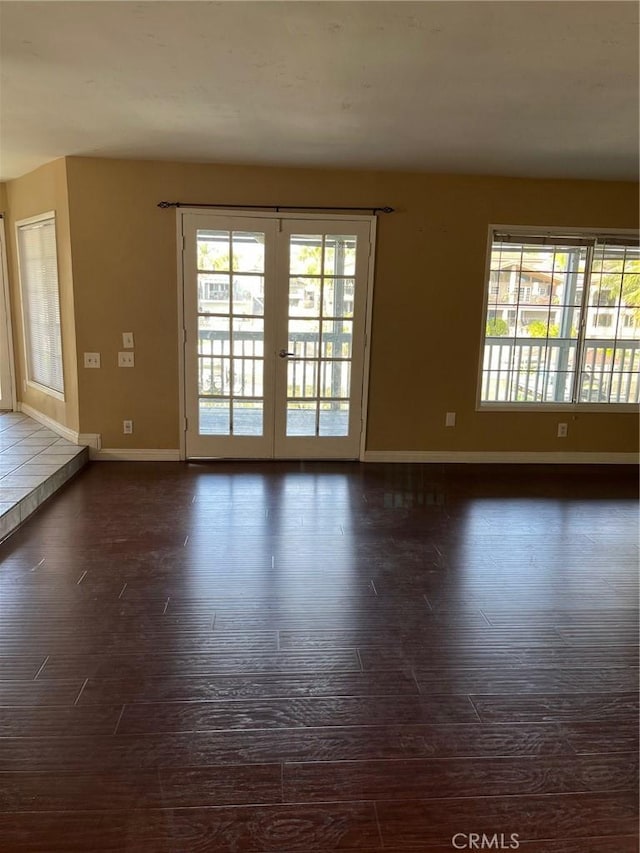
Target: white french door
{"x": 274, "y": 315}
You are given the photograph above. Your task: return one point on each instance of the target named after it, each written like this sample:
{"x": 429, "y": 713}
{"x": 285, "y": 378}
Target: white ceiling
{"x": 512, "y": 88}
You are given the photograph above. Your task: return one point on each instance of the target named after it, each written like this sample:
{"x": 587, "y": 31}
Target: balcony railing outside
{"x": 543, "y": 370}
{"x": 248, "y": 351}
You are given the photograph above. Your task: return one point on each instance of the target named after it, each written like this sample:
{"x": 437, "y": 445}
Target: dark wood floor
{"x": 294, "y": 658}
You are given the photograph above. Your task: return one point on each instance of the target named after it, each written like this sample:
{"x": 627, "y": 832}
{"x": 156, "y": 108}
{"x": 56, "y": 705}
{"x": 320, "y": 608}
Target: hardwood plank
{"x": 526, "y": 679}
{"x": 295, "y": 828}
{"x": 57, "y": 721}
{"x": 153, "y": 718}
{"x": 303, "y": 744}
{"x": 24, "y": 693}
{"x": 561, "y": 818}
{"x": 471, "y": 777}
{"x": 29, "y": 791}
{"x": 210, "y": 688}
{"x": 78, "y": 832}
{"x": 554, "y": 707}
{"x": 160, "y": 665}
{"x": 609, "y": 844}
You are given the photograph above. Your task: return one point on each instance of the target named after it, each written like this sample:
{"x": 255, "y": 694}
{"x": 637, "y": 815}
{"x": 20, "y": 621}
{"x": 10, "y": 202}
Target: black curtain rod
{"x": 277, "y": 208}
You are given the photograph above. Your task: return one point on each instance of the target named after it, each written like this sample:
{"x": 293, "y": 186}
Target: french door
{"x": 274, "y": 316}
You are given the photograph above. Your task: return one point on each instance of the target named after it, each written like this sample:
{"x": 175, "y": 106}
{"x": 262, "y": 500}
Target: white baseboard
{"x": 497, "y": 457}
{"x": 135, "y": 454}
{"x": 89, "y": 439}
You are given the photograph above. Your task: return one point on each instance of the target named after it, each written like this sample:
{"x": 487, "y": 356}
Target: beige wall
{"x": 428, "y": 294}
{"x": 42, "y": 191}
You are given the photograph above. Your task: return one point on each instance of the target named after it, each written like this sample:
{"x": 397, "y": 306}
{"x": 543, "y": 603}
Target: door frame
{"x": 272, "y": 214}
{"x": 5, "y": 313}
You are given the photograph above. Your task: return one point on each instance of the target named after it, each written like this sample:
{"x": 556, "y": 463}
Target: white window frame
{"x": 30, "y": 382}
{"x": 541, "y": 231}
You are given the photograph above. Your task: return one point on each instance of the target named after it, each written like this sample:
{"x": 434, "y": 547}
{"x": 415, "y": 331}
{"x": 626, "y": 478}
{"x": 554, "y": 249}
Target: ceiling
{"x": 543, "y": 89}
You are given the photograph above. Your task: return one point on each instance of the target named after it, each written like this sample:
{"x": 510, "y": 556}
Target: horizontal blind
{"x": 41, "y": 301}
{"x": 523, "y": 238}
{"x": 559, "y": 240}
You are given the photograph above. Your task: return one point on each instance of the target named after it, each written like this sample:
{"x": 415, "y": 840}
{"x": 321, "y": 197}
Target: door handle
{"x": 284, "y": 354}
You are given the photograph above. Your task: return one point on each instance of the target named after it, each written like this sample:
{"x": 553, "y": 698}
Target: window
{"x": 38, "y": 266}
{"x": 563, "y": 325}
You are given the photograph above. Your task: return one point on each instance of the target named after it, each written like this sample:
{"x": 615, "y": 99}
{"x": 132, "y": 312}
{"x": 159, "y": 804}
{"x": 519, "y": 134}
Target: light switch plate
{"x": 126, "y": 359}
{"x": 92, "y": 359}
{"x": 127, "y": 340}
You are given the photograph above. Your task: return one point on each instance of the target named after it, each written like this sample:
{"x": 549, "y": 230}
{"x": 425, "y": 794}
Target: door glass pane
{"x": 213, "y": 336}
{"x": 334, "y": 378}
{"x": 302, "y": 378}
{"x": 248, "y": 295}
{"x": 304, "y": 296}
{"x": 247, "y": 251}
{"x": 247, "y": 377}
{"x": 304, "y": 338}
{"x": 248, "y": 337}
{"x": 247, "y": 418}
{"x": 214, "y": 250}
{"x": 213, "y": 293}
{"x": 339, "y": 254}
{"x": 337, "y": 337}
{"x": 213, "y": 376}
{"x": 305, "y": 254}
{"x": 214, "y": 417}
{"x": 337, "y": 297}
{"x": 302, "y": 418}
{"x": 334, "y": 418}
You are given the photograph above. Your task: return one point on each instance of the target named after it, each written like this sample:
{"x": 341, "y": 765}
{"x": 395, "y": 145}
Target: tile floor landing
{"x": 34, "y": 463}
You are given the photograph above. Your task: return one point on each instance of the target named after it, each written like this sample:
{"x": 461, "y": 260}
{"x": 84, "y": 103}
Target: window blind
{"x": 41, "y": 302}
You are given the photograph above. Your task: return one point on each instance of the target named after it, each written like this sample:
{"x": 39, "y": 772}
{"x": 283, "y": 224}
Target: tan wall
{"x": 3, "y": 197}
{"x": 429, "y": 283}
{"x": 41, "y": 191}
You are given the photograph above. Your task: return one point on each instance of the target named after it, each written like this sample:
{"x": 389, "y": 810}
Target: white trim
{"x": 569, "y": 408}
{"x": 181, "y": 334}
{"x": 495, "y": 456}
{"x": 44, "y": 389}
{"x": 8, "y": 325}
{"x": 136, "y": 454}
{"x": 364, "y": 408}
{"x": 89, "y": 439}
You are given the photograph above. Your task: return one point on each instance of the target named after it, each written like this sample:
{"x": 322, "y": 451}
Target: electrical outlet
{"x": 92, "y": 359}
{"x": 127, "y": 427}
{"x": 127, "y": 340}
{"x": 126, "y": 359}
{"x": 563, "y": 430}
{"x": 450, "y": 419}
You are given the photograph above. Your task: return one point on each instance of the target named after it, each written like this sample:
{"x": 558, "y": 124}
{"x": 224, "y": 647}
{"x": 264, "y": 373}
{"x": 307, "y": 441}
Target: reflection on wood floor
{"x": 297, "y": 658}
